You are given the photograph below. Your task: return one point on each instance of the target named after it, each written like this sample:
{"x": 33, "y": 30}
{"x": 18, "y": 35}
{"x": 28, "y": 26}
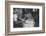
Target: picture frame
{"x": 9, "y": 5}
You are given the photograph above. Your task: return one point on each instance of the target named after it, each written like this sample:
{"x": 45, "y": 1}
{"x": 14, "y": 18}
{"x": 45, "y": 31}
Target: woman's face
{"x": 15, "y": 17}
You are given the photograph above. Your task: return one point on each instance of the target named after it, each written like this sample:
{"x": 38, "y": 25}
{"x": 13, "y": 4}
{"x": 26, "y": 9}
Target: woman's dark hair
{"x": 14, "y": 10}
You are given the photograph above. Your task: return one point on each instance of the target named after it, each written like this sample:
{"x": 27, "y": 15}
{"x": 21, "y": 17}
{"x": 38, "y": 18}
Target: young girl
{"x": 29, "y": 21}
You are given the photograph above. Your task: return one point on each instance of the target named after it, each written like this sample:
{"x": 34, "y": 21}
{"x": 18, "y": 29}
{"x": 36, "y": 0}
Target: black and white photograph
{"x": 25, "y": 17}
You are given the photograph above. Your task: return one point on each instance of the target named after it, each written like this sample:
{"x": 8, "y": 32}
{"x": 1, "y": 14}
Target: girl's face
{"x": 28, "y": 15}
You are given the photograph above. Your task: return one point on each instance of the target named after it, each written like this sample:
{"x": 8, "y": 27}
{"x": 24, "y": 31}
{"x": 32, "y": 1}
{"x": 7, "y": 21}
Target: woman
{"x": 17, "y": 23}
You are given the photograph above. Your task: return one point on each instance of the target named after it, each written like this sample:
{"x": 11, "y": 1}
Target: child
{"x": 29, "y": 21}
